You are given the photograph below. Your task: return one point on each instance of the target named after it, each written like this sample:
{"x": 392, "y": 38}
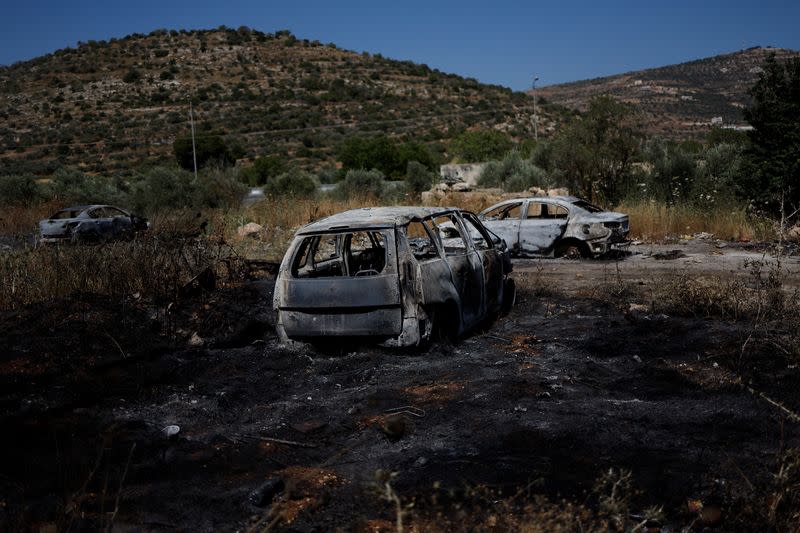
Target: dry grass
{"x": 651, "y": 221}
{"x": 148, "y": 267}
{"x": 20, "y": 220}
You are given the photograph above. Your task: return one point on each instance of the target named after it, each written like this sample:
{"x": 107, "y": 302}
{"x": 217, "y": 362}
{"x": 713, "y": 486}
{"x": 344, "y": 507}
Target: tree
{"x": 264, "y": 169}
{"x": 771, "y": 166}
{"x": 594, "y": 153}
{"x": 481, "y": 145}
{"x": 210, "y": 148}
{"x": 364, "y": 153}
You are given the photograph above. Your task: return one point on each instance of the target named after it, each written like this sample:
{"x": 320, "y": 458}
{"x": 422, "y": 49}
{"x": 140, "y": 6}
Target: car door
{"x": 466, "y": 270}
{"x": 490, "y": 260}
{"x": 504, "y": 221}
{"x": 543, "y": 225}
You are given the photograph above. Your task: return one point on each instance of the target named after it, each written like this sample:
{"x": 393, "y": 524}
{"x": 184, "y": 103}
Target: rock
{"x": 461, "y": 187}
{"x": 441, "y": 187}
{"x": 558, "y": 191}
{"x": 251, "y": 230}
{"x": 196, "y": 340}
{"x": 266, "y": 492}
{"x": 170, "y": 431}
{"x": 703, "y": 235}
{"x": 793, "y": 234}
{"x": 427, "y": 198}
{"x": 722, "y": 245}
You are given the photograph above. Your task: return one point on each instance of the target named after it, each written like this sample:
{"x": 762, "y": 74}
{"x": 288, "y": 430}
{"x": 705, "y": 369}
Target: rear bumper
{"x": 382, "y": 322}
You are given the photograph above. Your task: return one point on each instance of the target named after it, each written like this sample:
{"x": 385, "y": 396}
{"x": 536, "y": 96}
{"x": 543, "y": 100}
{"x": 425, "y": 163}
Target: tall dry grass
{"x": 654, "y": 221}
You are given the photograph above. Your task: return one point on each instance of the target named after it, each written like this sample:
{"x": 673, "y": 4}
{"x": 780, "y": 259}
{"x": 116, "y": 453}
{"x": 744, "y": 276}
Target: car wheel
{"x": 509, "y": 296}
{"x": 570, "y": 251}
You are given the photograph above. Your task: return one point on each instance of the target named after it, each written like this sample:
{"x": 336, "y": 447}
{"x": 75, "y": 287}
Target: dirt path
{"x": 564, "y": 388}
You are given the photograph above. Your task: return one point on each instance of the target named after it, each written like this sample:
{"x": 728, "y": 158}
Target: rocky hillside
{"x": 682, "y": 100}
{"x": 111, "y": 106}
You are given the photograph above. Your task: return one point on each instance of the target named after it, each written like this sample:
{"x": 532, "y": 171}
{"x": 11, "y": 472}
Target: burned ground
{"x": 574, "y": 382}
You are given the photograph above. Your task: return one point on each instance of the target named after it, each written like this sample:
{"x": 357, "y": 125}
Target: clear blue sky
{"x": 494, "y": 41}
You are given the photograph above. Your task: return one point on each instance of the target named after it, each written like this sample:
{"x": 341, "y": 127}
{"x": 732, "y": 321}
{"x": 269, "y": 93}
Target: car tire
{"x": 509, "y": 296}
{"x": 570, "y": 250}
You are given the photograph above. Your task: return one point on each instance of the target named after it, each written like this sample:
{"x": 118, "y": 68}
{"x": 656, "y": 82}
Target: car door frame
{"x": 540, "y": 235}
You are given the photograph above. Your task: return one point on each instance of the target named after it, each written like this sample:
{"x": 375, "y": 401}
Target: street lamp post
{"x": 535, "y": 116}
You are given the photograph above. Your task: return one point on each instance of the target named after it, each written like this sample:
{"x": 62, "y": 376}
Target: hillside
{"x": 681, "y": 100}
{"x": 110, "y": 106}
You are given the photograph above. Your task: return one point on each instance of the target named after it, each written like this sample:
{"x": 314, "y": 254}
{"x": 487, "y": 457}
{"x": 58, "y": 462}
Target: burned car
{"x": 401, "y": 275}
{"x": 90, "y": 223}
{"x": 563, "y": 226}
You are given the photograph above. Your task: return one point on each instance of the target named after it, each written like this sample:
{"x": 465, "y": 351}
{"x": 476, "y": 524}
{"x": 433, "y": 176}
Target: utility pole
{"x": 535, "y": 116}
{"x": 194, "y": 149}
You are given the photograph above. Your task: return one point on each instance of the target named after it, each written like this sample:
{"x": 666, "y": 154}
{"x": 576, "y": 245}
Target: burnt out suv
{"x": 400, "y": 275}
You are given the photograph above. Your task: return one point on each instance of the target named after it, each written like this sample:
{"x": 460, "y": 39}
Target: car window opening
{"x": 450, "y": 235}
{"x": 420, "y": 241}
{"x": 353, "y": 254}
{"x": 504, "y": 212}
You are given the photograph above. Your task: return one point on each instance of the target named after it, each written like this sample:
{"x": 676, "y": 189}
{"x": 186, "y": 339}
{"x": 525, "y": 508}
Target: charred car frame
{"x": 90, "y": 223}
{"x": 563, "y": 226}
{"x": 401, "y": 275}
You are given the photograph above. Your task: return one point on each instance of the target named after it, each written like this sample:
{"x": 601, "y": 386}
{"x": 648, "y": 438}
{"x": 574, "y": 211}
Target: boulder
{"x": 251, "y": 230}
{"x": 793, "y": 234}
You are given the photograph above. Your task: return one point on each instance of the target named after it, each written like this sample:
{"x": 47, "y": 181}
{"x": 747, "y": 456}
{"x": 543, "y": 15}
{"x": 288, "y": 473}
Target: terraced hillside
{"x": 681, "y": 100}
{"x": 108, "y": 106}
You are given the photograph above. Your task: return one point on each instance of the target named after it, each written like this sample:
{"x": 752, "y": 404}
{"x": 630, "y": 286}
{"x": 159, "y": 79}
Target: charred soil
{"x": 193, "y": 417}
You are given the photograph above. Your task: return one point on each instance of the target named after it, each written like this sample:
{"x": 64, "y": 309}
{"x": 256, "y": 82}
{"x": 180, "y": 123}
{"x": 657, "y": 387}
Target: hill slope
{"x": 678, "y": 100}
{"x": 109, "y": 106}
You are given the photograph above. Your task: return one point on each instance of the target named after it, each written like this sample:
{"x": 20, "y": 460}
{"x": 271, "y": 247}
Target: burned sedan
{"x": 563, "y": 226}
{"x": 401, "y": 275}
{"x": 90, "y": 223}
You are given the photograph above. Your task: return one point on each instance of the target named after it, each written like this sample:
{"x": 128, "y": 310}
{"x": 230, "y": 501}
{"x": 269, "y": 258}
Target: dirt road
{"x": 567, "y": 386}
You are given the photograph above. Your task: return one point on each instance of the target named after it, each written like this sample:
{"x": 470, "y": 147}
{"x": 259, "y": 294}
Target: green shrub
{"x": 74, "y": 186}
{"x": 483, "y": 145}
{"x": 218, "y": 186}
{"x": 263, "y": 169}
{"x": 295, "y": 182}
{"x": 418, "y": 177}
{"x": 162, "y": 187}
{"x": 361, "y": 184}
{"x": 513, "y": 174}
{"x": 19, "y": 189}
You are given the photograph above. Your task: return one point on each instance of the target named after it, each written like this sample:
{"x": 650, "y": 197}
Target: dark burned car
{"x": 401, "y": 275}
{"x": 90, "y": 223}
{"x": 563, "y": 226}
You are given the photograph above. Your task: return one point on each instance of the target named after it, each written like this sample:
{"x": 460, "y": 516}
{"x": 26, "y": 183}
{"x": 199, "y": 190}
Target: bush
{"x": 162, "y": 187}
{"x": 361, "y": 184}
{"x": 418, "y": 177}
{"x": 513, "y": 174}
{"x": 74, "y": 186}
{"x": 219, "y": 186}
{"x": 263, "y": 169}
{"x": 210, "y": 148}
{"x": 132, "y": 76}
{"x": 478, "y": 146}
{"x": 295, "y": 183}
{"x": 19, "y": 190}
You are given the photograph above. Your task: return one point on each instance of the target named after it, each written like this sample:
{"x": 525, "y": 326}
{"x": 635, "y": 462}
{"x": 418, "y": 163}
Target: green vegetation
{"x": 383, "y": 154}
{"x": 771, "y": 177}
{"x": 481, "y": 145}
{"x": 210, "y": 148}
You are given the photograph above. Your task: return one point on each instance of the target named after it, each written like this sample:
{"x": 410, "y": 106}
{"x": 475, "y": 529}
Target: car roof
{"x": 374, "y": 217}
{"x": 83, "y": 207}
{"x": 565, "y": 199}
